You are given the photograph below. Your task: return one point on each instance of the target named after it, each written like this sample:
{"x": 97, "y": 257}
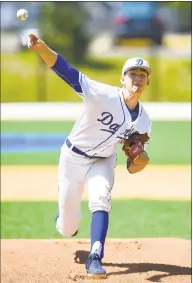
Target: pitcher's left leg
{"x": 100, "y": 179}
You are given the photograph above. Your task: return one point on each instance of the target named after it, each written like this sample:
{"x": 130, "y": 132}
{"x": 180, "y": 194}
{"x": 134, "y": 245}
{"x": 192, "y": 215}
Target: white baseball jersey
{"x": 106, "y": 119}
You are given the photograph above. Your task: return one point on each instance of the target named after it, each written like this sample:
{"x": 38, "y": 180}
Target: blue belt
{"x": 78, "y": 151}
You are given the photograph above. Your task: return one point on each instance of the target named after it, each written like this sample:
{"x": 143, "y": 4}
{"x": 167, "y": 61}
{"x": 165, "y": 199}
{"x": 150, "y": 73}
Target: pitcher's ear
{"x": 148, "y": 82}
{"x": 122, "y": 79}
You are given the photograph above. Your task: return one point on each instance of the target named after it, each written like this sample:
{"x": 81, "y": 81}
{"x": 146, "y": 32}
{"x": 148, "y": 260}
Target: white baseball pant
{"x": 73, "y": 172}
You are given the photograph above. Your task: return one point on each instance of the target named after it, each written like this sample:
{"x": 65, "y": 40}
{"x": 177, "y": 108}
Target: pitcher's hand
{"x": 48, "y": 55}
{"x": 35, "y": 43}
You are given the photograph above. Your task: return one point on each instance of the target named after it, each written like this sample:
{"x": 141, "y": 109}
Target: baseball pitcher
{"x": 111, "y": 115}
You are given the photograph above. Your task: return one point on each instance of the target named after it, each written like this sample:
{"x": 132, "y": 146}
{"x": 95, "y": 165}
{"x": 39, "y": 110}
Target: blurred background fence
{"x": 97, "y": 38}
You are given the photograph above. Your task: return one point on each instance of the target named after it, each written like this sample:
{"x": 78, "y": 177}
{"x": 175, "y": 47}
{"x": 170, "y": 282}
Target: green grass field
{"x": 170, "y": 80}
{"x": 170, "y": 142}
{"x": 132, "y": 218}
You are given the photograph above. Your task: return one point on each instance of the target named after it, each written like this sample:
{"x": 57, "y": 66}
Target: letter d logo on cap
{"x": 139, "y": 62}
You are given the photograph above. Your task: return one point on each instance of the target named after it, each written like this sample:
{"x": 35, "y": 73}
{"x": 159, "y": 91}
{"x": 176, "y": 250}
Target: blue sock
{"x": 99, "y": 227}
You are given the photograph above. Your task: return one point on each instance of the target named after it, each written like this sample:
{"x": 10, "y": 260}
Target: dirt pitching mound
{"x": 62, "y": 261}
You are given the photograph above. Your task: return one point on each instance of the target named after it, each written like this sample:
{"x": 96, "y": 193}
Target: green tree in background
{"x": 64, "y": 29}
{"x": 179, "y": 4}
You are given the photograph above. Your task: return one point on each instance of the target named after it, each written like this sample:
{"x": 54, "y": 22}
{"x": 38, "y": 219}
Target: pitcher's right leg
{"x": 70, "y": 190}
{"x": 69, "y": 198}
{"x": 69, "y": 211}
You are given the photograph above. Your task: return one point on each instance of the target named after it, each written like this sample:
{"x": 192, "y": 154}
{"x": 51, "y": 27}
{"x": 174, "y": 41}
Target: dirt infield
{"x": 40, "y": 183}
{"x": 126, "y": 261}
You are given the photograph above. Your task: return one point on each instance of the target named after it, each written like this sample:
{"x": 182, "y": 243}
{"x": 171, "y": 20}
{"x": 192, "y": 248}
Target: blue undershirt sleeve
{"x": 68, "y": 73}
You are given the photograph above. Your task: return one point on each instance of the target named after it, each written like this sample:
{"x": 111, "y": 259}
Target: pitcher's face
{"x": 135, "y": 80}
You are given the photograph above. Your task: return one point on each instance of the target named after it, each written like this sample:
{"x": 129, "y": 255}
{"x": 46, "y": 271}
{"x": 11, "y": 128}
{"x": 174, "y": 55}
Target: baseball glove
{"x": 133, "y": 148}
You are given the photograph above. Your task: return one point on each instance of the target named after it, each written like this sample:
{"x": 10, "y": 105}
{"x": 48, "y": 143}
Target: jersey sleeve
{"x": 85, "y": 87}
{"x": 69, "y": 74}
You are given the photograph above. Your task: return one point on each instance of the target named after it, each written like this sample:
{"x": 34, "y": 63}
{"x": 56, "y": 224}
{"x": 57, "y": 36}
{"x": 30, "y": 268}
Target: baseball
{"x": 22, "y": 14}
